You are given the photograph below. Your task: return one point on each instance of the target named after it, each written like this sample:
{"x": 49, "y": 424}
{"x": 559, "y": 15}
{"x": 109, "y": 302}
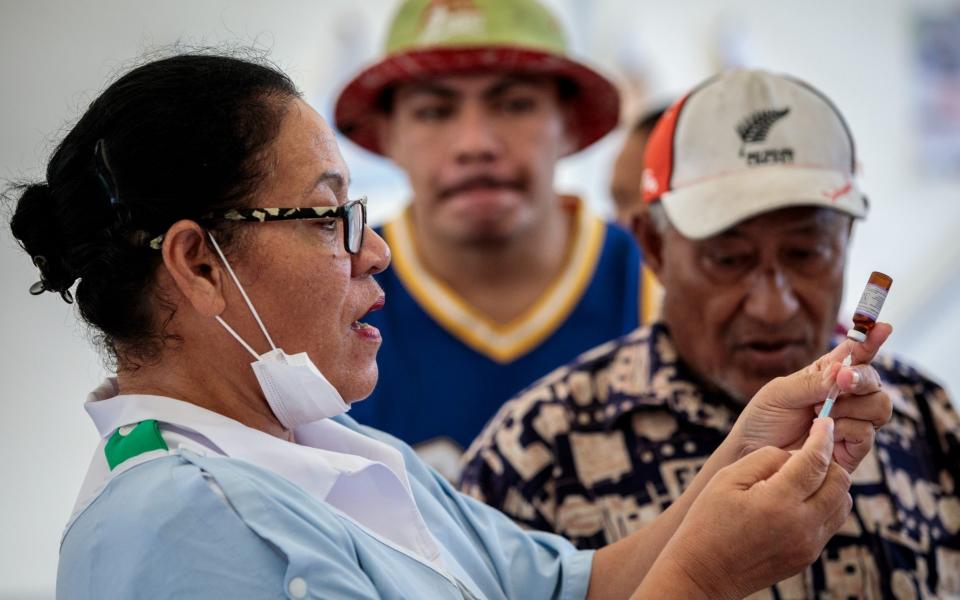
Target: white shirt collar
{"x": 329, "y": 461}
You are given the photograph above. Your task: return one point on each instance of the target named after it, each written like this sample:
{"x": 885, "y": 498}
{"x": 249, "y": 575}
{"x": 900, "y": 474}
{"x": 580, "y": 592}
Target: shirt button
{"x": 297, "y": 587}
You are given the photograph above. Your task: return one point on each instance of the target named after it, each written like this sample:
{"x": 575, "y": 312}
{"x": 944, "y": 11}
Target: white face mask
{"x": 295, "y": 389}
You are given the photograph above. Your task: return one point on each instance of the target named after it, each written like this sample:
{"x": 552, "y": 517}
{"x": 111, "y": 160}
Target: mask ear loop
{"x": 246, "y": 299}
{"x": 237, "y": 337}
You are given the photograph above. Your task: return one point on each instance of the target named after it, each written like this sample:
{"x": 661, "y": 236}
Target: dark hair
{"x": 648, "y": 120}
{"x": 175, "y": 138}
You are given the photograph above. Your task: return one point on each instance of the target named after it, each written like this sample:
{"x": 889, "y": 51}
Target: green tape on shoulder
{"x": 145, "y": 437}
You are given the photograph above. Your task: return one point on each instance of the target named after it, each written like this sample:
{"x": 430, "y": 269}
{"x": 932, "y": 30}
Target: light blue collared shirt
{"x": 189, "y": 525}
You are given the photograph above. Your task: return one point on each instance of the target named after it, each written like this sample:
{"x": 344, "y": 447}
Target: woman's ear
{"x": 195, "y": 270}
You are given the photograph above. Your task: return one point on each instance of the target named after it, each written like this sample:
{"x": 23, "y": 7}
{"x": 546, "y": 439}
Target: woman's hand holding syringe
{"x": 864, "y": 320}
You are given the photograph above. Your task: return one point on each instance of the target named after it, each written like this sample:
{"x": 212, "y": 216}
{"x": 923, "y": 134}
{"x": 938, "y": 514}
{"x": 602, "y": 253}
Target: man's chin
{"x": 484, "y": 232}
{"x": 494, "y": 226}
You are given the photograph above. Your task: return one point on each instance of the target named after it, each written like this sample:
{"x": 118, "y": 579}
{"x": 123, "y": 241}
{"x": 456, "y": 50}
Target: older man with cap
{"x": 496, "y": 278}
{"x": 750, "y": 201}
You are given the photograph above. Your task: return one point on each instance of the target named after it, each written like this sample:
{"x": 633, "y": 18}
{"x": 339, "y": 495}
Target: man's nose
{"x": 475, "y": 137}
{"x": 771, "y": 298}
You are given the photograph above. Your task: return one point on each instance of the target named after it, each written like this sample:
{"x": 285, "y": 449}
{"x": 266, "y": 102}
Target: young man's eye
{"x": 517, "y": 105}
{"x": 432, "y": 113}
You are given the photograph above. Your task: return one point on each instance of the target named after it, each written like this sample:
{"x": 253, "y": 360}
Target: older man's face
{"x": 757, "y": 301}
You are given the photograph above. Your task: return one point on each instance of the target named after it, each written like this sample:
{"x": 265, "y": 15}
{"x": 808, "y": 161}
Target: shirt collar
{"x": 329, "y": 461}
{"x": 665, "y": 382}
{"x": 326, "y": 447}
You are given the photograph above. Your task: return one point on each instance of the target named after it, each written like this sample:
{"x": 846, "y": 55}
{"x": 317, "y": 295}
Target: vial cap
{"x": 857, "y": 336}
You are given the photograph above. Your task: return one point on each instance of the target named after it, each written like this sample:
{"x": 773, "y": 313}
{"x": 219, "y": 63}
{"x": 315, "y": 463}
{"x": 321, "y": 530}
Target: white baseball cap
{"x": 748, "y": 142}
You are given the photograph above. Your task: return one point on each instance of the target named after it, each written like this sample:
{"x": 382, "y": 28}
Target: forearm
{"x": 619, "y": 569}
{"x": 668, "y": 579}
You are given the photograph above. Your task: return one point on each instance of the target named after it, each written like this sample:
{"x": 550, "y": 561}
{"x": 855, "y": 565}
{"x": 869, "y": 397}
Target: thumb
{"x": 805, "y": 470}
{"x": 756, "y": 466}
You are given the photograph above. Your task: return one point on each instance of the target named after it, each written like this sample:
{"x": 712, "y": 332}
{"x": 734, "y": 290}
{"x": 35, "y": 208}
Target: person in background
{"x": 497, "y": 278}
{"x": 750, "y": 200}
{"x": 625, "y": 180}
{"x": 200, "y": 210}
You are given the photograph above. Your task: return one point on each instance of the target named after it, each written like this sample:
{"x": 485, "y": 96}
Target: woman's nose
{"x": 374, "y": 255}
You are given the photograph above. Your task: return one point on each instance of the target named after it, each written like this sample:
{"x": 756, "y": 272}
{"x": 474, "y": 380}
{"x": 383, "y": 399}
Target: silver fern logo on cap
{"x": 755, "y": 127}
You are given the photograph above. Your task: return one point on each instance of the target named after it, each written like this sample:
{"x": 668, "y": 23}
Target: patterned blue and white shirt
{"x": 600, "y": 447}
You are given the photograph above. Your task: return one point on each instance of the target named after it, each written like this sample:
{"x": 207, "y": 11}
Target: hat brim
{"x": 706, "y": 208}
{"x": 596, "y": 106}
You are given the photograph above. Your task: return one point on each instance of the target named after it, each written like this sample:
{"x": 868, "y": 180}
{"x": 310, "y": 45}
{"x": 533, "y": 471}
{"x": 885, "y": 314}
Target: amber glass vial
{"x": 871, "y": 301}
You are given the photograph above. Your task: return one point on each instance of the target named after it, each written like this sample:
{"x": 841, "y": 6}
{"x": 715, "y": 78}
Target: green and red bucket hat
{"x": 429, "y": 38}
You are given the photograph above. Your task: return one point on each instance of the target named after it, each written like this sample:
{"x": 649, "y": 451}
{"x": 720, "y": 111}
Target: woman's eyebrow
{"x": 333, "y": 179}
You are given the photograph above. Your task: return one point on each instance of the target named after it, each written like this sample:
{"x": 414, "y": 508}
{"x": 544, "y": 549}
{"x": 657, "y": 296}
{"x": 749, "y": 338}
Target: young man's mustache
{"x": 481, "y": 181}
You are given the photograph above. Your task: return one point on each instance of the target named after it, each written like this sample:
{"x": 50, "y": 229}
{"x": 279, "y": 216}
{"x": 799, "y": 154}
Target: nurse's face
{"x": 310, "y": 292}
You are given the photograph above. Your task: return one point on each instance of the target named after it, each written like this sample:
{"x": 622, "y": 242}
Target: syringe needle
{"x": 834, "y": 391}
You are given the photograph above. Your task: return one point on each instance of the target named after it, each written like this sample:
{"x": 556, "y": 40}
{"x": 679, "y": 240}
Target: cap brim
{"x": 706, "y": 208}
{"x": 596, "y": 107}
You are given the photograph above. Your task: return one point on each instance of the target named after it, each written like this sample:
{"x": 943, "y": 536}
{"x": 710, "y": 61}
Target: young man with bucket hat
{"x": 750, "y": 194}
{"x": 496, "y": 278}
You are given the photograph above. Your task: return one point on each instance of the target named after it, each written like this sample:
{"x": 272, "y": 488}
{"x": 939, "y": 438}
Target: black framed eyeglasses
{"x": 353, "y": 214}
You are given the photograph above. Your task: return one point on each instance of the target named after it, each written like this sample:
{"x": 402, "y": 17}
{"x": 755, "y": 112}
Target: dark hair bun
{"x": 36, "y": 226}
{"x": 173, "y": 139}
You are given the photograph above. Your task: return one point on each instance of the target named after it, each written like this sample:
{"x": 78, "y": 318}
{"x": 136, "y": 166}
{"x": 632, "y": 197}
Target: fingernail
{"x": 828, "y": 423}
{"x": 856, "y": 379}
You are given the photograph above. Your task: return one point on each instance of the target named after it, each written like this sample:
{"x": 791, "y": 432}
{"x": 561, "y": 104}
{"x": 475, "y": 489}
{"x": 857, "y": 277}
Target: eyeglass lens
{"x": 356, "y": 223}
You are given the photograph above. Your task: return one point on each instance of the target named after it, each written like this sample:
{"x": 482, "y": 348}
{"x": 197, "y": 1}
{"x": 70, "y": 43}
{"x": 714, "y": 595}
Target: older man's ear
{"x": 649, "y": 237}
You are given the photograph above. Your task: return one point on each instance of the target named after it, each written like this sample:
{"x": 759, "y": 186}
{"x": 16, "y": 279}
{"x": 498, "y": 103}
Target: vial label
{"x": 871, "y": 301}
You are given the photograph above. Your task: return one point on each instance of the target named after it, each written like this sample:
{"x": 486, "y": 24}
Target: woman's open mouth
{"x": 367, "y": 330}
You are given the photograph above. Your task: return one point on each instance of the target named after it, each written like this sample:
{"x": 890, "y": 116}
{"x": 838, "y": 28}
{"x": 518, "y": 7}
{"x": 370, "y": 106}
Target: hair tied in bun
{"x": 42, "y": 286}
{"x": 104, "y": 173}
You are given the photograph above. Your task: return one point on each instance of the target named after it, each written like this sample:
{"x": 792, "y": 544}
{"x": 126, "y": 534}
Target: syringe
{"x": 834, "y": 390}
{"x": 864, "y": 318}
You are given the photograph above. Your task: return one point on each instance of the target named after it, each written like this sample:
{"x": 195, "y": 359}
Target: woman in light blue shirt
{"x": 201, "y": 208}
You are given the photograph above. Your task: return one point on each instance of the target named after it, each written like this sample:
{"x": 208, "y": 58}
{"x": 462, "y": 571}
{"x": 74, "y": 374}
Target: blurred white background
{"x": 55, "y": 55}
